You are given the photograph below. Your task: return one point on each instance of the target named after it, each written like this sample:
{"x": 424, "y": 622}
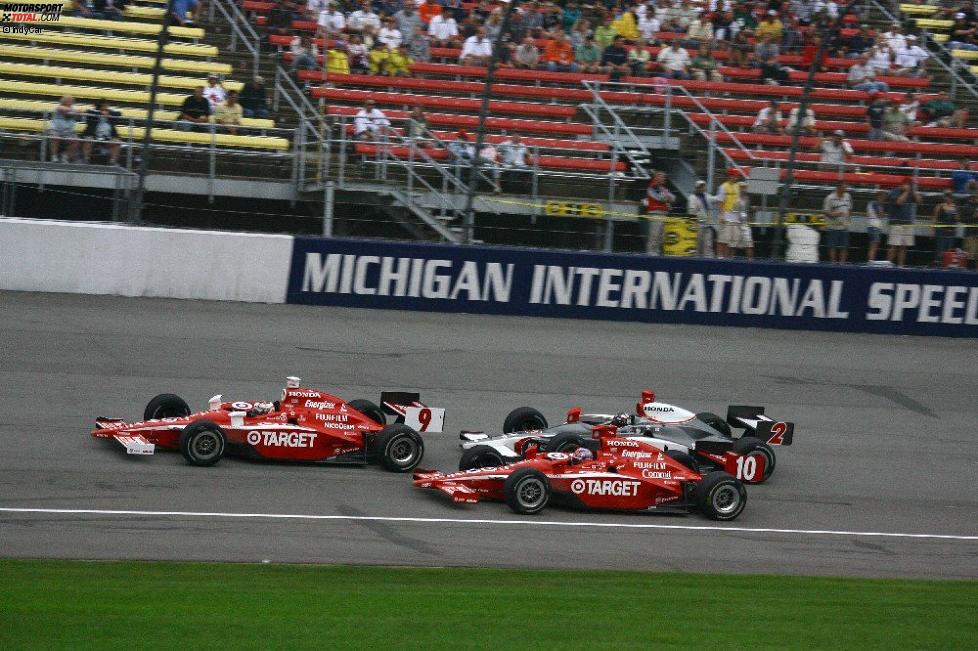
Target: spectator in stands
{"x": 398, "y": 62}
{"x": 443, "y": 30}
{"x": 862, "y": 76}
{"x": 214, "y": 91}
{"x": 195, "y": 112}
{"x": 363, "y": 19}
{"x": 741, "y": 52}
{"x": 969, "y": 219}
{"x": 743, "y": 18}
{"x": 100, "y": 127}
{"x": 370, "y": 123}
{"x": 377, "y": 59}
{"x": 769, "y": 119}
{"x": 281, "y": 16}
{"x": 417, "y": 45}
{"x": 810, "y": 52}
{"x": 964, "y": 33}
{"x": 390, "y": 35}
{"x": 792, "y": 40}
{"x": 875, "y": 211}
{"x": 417, "y": 126}
{"x": 704, "y": 67}
{"x": 477, "y": 49}
{"x": 658, "y": 200}
{"x": 834, "y": 151}
{"x": 895, "y": 38}
{"x": 964, "y": 180}
{"x": 315, "y": 7}
{"x": 605, "y": 34}
{"x": 254, "y": 98}
{"x": 489, "y": 160}
{"x": 79, "y": 9}
{"x": 527, "y": 55}
{"x": 909, "y": 107}
{"x": 673, "y": 61}
{"x": 558, "y": 55}
{"x": 911, "y": 60}
{"x": 587, "y": 56}
{"x": 182, "y": 7}
{"x": 837, "y": 210}
{"x": 358, "y": 56}
{"x": 428, "y": 10}
{"x": 700, "y": 30}
{"x": 625, "y": 24}
{"x": 734, "y": 232}
{"x": 461, "y": 152}
{"x": 766, "y": 55}
{"x": 771, "y": 27}
{"x": 614, "y": 59}
{"x": 108, "y": 9}
{"x": 723, "y": 26}
{"x": 805, "y": 125}
{"x": 940, "y": 111}
{"x": 639, "y": 58}
{"x": 859, "y": 43}
{"x": 648, "y": 24}
{"x": 64, "y": 144}
{"x": 874, "y": 115}
{"x": 229, "y": 113}
{"x": 945, "y": 224}
{"x": 407, "y": 20}
{"x": 900, "y": 205}
{"x": 305, "y": 54}
{"x": 895, "y": 123}
{"x": 331, "y": 22}
{"x": 514, "y": 153}
{"x": 803, "y": 10}
{"x": 570, "y": 16}
{"x": 700, "y": 205}
{"x": 881, "y": 58}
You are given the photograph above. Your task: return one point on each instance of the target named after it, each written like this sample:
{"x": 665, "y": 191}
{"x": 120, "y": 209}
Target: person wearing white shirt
{"x": 363, "y": 19}
{"x": 214, "y": 91}
{"x": 881, "y": 58}
{"x": 895, "y": 38}
{"x": 910, "y": 60}
{"x": 443, "y": 29}
{"x": 331, "y": 21}
{"x": 673, "y": 61}
{"x": 649, "y": 26}
{"x": 514, "y": 152}
{"x": 769, "y": 119}
{"x": 313, "y": 7}
{"x": 370, "y": 123}
{"x": 390, "y": 35}
{"x": 476, "y": 50}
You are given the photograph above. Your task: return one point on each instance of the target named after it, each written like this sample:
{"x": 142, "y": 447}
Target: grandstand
{"x": 592, "y": 141}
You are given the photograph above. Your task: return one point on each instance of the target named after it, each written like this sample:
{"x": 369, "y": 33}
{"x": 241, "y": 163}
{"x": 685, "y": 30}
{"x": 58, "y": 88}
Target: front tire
{"x": 481, "y": 456}
{"x": 370, "y": 410}
{"x": 202, "y": 443}
{"x": 527, "y": 491}
{"x": 524, "y": 419}
{"x": 398, "y": 448}
{"x": 720, "y": 496}
{"x": 751, "y": 446}
{"x": 166, "y": 405}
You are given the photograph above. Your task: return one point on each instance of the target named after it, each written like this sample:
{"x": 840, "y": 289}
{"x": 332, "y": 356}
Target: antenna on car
{"x": 292, "y": 382}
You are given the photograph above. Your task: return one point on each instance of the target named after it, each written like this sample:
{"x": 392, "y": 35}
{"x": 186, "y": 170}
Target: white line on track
{"x": 527, "y": 522}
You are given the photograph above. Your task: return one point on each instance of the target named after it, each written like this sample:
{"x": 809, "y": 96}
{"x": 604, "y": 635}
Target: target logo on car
{"x": 613, "y": 487}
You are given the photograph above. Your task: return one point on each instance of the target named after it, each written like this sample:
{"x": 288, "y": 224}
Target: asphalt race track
{"x": 885, "y": 440}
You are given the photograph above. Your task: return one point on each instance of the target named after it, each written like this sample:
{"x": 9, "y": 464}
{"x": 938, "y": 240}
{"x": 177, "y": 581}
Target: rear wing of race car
{"x": 755, "y": 423}
{"x": 416, "y": 415}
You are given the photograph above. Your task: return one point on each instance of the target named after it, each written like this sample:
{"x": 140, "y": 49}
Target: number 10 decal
{"x": 746, "y": 468}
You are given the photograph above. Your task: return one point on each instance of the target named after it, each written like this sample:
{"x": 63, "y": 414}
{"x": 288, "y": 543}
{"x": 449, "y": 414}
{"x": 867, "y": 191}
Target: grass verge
{"x": 105, "y": 605}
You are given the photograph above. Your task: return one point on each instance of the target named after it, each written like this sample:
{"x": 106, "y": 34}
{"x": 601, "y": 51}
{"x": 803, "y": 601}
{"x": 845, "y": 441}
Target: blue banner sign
{"x": 531, "y": 282}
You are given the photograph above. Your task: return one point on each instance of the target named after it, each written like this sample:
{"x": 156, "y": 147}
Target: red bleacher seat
{"x": 809, "y": 142}
{"x": 878, "y": 161}
{"x": 551, "y": 162}
{"x": 457, "y": 121}
{"x": 451, "y": 103}
{"x": 849, "y": 127}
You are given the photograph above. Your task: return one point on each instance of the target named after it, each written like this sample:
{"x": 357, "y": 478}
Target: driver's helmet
{"x": 581, "y": 454}
{"x": 621, "y": 420}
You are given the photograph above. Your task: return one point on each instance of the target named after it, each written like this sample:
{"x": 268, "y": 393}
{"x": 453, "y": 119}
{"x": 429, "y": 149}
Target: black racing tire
{"x": 720, "y": 496}
{"x": 527, "y": 491}
{"x": 684, "y": 459}
{"x": 202, "y": 443}
{"x": 715, "y": 422}
{"x": 565, "y": 442}
{"x": 524, "y": 419}
{"x": 481, "y": 456}
{"x": 166, "y": 405}
{"x": 398, "y": 448}
{"x": 752, "y": 446}
{"x": 370, "y": 410}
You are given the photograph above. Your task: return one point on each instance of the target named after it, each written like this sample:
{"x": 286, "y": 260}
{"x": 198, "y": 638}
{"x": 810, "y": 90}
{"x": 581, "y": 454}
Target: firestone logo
{"x": 614, "y": 487}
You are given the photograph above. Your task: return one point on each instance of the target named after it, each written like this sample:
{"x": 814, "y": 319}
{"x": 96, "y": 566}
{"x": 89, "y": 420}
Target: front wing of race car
{"x": 459, "y": 493}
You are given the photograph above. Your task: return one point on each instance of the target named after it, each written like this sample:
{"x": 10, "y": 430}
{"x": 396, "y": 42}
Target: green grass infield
{"x": 105, "y": 605}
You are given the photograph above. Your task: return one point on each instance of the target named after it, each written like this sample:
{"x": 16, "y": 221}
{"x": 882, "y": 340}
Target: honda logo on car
{"x": 304, "y": 394}
{"x": 282, "y": 439}
{"x": 623, "y": 443}
{"x": 315, "y": 404}
{"x": 616, "y": 487}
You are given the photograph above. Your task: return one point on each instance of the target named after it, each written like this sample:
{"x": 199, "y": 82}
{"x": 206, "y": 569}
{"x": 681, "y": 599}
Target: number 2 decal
{"x": 746, "y": 468}
{"x": 778, "y": 431}
{"x": 424, "y": 417}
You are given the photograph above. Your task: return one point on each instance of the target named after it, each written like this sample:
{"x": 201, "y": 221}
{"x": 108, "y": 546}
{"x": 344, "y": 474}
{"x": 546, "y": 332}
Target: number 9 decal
{"x": 424, "y": 418}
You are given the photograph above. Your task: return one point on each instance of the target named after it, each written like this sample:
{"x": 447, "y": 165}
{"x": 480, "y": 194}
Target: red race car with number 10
{"x": 305, "y": 425}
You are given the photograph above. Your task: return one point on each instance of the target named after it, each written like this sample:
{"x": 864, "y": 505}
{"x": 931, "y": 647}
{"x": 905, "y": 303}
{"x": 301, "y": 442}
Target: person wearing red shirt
{"x": 558, "y": 55}
{"x": 808, "y": 55}
{"x": 428, "y": 10}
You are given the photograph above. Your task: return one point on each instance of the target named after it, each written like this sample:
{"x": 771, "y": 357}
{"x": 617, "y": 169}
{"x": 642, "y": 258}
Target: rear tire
{"x": 202, "y": 443}
{"x": 370, "y": 410}
{"x": 481, "y": 456}
{"x": 524, "y": 419}
{"x": 398, "y": 448}
{"x": 565, "y": 442}
{"x": 684, "y": 459}
{"x": 720, "y": 496}
{"x": 166, "y": 405}
{"x": 715, "y": 422}
{"x": 750, "y": 446}
{"x": 527, "y": 491}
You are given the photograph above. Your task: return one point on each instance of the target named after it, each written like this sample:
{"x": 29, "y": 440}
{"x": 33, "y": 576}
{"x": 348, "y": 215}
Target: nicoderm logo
{"x": 27, "y": 17}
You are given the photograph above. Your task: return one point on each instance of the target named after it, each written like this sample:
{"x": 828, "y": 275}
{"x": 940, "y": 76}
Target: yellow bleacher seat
{"x": 974, "y": 70}
{"x": 103, "y": 59}
{"x": 114, "y": 43}
{"x": 38, "y": 106}
{"x": 146, "y": 13}
{"x": 163, "y": 135}
{"x": 966, "y": 55}
{"x": 73, "y": 22}
{"x": 89, "y": 92}
{"x": 934, "y": 23}
{"x": 918, "y": 10}
{"x": 940, "y": 38}
{"x": 105, "y": 76}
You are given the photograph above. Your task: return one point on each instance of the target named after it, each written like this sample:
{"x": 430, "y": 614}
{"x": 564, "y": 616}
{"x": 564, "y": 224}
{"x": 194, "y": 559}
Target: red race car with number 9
{"x": 609, "y": 473}
{"x": 304, "y": 425}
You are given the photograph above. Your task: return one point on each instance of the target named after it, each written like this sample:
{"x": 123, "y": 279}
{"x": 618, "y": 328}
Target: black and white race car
{"x": 698, "y": 440}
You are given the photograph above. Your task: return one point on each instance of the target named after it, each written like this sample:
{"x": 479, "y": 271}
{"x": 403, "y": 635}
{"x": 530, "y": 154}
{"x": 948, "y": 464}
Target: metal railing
{"x": 241, "y": 29}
